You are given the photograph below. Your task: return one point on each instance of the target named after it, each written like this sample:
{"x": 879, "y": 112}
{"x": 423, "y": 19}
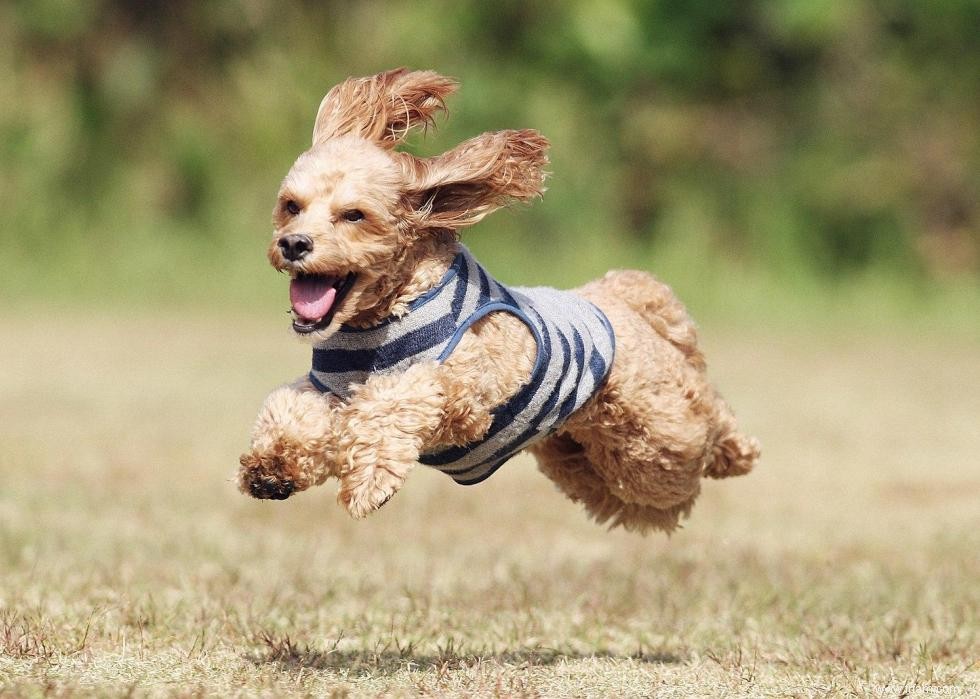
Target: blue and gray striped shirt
{"x": 575, "y": 347}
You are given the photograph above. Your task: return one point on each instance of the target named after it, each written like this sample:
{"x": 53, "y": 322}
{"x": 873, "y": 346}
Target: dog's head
{"x": 359, "y": 225}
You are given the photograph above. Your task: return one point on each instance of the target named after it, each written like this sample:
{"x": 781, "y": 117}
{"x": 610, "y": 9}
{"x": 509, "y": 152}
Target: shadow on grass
{"x": 390, "y": 657}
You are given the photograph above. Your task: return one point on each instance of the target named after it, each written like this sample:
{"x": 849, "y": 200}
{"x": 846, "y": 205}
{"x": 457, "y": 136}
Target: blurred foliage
{"x": 801, "y": 141}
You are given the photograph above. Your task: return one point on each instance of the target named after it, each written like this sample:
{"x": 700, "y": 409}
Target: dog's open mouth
{"x": 315, "y": 299}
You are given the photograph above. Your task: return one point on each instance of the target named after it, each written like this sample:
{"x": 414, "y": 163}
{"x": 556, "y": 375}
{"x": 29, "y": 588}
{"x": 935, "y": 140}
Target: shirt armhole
{"x": 486, "y": 310}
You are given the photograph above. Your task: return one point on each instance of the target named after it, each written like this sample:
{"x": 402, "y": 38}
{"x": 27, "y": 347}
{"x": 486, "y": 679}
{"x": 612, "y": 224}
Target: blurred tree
{"x": 811, "y": 136}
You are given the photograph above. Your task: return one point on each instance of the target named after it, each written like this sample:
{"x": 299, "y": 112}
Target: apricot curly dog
{"x": 420, "y": 356}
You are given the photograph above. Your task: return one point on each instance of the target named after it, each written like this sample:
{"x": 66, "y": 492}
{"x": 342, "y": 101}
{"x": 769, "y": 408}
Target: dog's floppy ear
{"x": 384, "y": 107}
{"x": 477, "y": 177}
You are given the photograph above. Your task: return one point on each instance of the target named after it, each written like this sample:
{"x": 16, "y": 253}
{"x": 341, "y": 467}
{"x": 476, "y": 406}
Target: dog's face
{"x": 355, "y": 218}
{"x": 339, "y": 222}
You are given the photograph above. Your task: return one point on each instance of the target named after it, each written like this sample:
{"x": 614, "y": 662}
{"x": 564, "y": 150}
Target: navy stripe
{"x": 334, "y": 361}
{"x": 507, "y": 296}
{"x": 503, "y": 414}
{"x": 509, "y": 450}
{"x": 566, "y": 353}
{"x": 548, "y": 405}
{"x": 569, "y": 405}
{"x": 523, "y": 397}
{"x": 462, "y": 284}
{"x": 598, "y": 367}
{"x": 490, "y": 472}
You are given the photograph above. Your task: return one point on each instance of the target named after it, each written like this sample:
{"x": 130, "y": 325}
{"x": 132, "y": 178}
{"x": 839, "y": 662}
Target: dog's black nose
{"x": 295, "y": 246}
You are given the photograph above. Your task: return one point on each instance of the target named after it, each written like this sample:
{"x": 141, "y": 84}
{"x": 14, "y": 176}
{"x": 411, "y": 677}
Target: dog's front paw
{"x": 372, "y": 469}
{"x": 266, "y": 475}
{"x": 363, "y": 493}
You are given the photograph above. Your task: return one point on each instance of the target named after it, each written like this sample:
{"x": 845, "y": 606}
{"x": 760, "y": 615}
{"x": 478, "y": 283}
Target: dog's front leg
{"x": 294, "y": 442}
{"x": 385, "y": 425}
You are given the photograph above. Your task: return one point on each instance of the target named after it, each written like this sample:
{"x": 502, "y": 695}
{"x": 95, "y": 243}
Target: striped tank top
{"x": 575, "y": 348}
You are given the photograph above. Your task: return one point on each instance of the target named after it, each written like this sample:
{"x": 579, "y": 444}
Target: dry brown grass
{"x": 846, "y": 565}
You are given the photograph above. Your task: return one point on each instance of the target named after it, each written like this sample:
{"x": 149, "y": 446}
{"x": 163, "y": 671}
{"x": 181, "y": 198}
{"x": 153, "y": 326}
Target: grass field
{"x": 847, "y": 565}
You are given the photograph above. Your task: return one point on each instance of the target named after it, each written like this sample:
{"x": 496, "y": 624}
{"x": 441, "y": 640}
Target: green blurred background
{"x": 795, "y": 159}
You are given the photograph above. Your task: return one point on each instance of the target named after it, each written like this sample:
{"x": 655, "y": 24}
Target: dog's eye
{"x": 354, "y": 215}
{"x": 292, "y": 208}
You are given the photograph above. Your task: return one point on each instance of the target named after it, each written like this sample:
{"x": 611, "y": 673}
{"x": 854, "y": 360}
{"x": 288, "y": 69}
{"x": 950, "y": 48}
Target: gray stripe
{"x": 472, "y": 300}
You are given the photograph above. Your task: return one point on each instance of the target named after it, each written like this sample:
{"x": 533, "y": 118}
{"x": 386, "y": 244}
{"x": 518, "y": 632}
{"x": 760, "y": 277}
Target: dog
{"x": 421, "y": 356}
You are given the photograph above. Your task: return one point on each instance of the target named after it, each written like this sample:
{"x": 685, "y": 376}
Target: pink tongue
{"x": 312, "y": 297}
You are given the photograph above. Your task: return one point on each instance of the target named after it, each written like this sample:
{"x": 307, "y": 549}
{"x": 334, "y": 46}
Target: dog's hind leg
{"x": 730, "y": 453}
{"x": 733, "y": 454}
{"x": 656, "y": 425}
{"x": 563, "y": 460}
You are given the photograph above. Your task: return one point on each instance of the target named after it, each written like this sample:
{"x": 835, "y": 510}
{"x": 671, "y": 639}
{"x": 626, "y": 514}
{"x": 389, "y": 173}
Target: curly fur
{"x": 633, "y": 455}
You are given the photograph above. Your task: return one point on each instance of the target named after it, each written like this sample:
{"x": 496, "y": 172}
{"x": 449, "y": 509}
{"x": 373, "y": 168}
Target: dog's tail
{"x": 733, "y": 454}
